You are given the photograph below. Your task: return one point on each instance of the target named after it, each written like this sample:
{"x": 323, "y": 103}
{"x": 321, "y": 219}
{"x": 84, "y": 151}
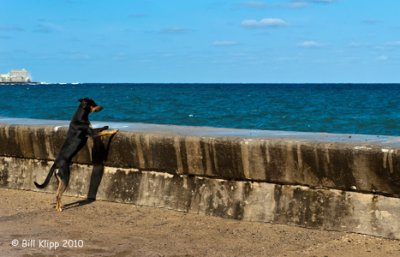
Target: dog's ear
{"x": 84, "y": 103}
{"x": 83, "y": 99}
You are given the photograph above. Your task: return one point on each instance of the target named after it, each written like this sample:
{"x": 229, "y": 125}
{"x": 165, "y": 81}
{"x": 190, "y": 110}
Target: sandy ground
{"x": 29, "y": 226}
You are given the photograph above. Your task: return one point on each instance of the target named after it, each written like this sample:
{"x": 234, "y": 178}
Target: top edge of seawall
{"x": 198, "y": 131}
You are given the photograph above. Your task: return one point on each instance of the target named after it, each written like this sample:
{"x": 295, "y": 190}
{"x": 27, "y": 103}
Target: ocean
{"x": 334, "y": 108}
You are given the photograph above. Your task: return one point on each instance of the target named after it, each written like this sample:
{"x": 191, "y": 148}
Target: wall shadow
{"x": 99, "y": 156}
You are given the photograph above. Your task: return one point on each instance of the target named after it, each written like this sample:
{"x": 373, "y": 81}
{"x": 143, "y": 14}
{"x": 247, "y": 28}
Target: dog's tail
{"x": 47, "y": 180}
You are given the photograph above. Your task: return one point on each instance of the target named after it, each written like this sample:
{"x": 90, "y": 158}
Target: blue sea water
{"x": 335, "y": 108}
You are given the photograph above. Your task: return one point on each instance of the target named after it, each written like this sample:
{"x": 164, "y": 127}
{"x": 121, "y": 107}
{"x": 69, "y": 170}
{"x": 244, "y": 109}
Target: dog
{"x": 78, "y": 132}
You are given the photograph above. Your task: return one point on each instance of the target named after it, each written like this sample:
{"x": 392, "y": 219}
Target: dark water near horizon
{"x": 335, "y": 108}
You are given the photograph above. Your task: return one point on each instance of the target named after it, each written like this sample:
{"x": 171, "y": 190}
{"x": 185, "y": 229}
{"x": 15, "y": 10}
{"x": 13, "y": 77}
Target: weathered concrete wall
{"x": 339, "y": 182}
{"x": 364, "y": 164}
{"x": 243, "y": 200}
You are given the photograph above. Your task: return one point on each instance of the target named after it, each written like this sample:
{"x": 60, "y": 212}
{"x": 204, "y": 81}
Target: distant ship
{"x": 16, "y": 76}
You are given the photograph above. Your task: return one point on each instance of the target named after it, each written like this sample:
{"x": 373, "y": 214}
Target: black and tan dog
{"x": 77, "y": 136}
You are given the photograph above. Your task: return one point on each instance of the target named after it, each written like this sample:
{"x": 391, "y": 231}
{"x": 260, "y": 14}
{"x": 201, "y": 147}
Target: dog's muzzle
{"x": 96, "y": 108}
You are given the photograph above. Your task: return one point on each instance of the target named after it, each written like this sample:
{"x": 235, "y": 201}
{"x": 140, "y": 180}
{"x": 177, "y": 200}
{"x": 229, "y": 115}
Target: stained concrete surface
{"x": 111, "y": 229}
{"x": 248, "y": 201}
{"x": 362, "y": 163}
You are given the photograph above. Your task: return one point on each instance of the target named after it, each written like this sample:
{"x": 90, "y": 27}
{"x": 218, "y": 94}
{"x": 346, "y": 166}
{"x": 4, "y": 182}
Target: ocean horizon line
{"x": 204, "y": 83}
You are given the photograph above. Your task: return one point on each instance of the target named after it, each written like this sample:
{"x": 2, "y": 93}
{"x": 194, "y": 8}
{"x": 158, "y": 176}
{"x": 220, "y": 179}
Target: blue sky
{"x": 284, "y": 41}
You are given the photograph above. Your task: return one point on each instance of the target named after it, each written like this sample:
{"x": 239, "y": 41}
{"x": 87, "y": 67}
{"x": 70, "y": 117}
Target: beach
{"x": 111, "y": 229}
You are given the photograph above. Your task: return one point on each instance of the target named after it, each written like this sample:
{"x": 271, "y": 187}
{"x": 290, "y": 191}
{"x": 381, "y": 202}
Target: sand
{"x": 29, "y": 226}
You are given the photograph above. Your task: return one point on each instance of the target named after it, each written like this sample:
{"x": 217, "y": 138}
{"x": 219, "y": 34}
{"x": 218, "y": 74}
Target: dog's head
{"x": 89, "y": 105}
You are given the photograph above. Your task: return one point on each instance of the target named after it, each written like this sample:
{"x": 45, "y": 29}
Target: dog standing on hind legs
{"x": 78, "y": 132}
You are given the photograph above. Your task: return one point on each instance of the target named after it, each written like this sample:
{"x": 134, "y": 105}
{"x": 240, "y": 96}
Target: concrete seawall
{"x": 326, "y": 181}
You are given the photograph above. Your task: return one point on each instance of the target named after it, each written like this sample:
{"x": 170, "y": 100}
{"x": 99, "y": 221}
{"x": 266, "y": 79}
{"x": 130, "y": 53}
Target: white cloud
{"x": 357, "y": 44}
{"x": 266, "y": 22}
{"x": 310, "y": 44}
{"x": 174, "y": 30}
{"x": 304, "y": 3}
{"x": 255, "y": 4}
{"x": 383, "y": 58}
{"x": 393, "y": 43}
{"x": 298, "y": 4}
{"x": 48, "y": 27}
{"x": 370, "y": 21}
{"x": 225, "y": 43}
{"x": 10, "y": 28}
{"x": 323, "y": 1}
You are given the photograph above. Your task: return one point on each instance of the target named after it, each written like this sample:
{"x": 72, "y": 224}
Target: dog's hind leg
{"x": 62, "y": 185}
{"x": 60, "y": 191}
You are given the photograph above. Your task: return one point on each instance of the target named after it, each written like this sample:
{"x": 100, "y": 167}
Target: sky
{"x": 202, "y": 41}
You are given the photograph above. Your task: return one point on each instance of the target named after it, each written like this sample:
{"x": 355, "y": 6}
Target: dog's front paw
{"x": 115, "y": 131}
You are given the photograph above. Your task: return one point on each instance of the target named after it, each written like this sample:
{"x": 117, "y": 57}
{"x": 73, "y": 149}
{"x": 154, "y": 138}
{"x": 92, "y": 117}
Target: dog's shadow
{"x": 99, "y": 156}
